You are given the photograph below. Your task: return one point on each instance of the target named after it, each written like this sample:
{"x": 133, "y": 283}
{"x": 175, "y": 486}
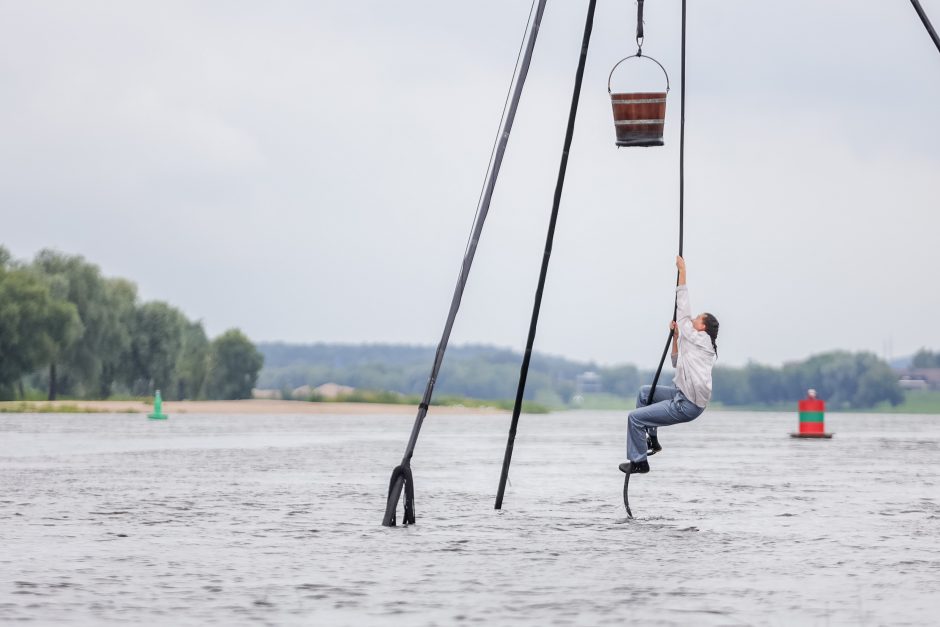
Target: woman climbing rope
{"x": 694, "y": 351}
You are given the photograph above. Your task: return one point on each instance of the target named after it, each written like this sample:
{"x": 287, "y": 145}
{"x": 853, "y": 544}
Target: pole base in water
{"x": 401, "y": 481}
{"x": 626, "y": 494}
{"x": 815, "y": 436}
{"x": 157, "y": 417}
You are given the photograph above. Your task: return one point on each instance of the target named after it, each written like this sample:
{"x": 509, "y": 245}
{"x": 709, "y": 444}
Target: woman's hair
{"x": 711, "y": 327}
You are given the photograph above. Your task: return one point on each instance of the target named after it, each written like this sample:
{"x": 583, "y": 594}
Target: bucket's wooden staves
{"x": 639, "y": 118}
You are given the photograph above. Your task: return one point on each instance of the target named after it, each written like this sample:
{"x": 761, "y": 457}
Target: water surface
{"x": 276, "y": 520}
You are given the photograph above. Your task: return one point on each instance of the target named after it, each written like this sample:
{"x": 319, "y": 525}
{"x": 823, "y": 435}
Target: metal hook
{"x": 639, "y": 26}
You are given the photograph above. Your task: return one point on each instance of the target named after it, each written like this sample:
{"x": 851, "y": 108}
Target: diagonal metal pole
{"x": 401, "y": 475}
{"x": 517, "y": 407}
{"x": 927, "y": 24}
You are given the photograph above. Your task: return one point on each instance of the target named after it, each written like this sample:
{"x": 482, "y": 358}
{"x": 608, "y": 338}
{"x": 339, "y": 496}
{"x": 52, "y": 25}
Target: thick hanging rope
{"x": 662, "y": 359}
{"x": 401, "y": 478}
{"x": 626, "y": 478}
{"x": 559, "y": 186}
{"x": 923, "y": 18}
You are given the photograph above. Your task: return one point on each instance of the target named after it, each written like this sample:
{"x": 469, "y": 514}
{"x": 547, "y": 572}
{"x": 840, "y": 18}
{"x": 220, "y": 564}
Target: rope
{"x": 559, "y": 186}
{"x": 662, "y": 359}
{"x": 401, "y": 478}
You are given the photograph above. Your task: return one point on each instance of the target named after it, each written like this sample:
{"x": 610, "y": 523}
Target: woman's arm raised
{"x": 675, "y": 343}
{"x": 683, "y": 311}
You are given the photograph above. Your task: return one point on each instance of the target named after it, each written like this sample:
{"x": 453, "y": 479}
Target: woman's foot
{"x": 652, "y": 445}
{"x": 630, "y": 468}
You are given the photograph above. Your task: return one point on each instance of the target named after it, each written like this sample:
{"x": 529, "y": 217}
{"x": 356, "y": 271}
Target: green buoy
{"x": 157, "y": 408}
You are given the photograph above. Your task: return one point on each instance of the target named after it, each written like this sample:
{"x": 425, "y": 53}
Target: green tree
{"x": 115, "y": 347}
{"x": 193, "y": 363}
{"x": 620, "y": 380}
{"x": 34, "y": 325}
{"x": 731, "y": 386}
{"x": 78, "y": 367}
{"x": 877, "y": 383}
{"x": 925, "y": 359}
{"x": 764, "y": 382}
{"x": 156, "y": 347}
{"x": 234, "y": 363}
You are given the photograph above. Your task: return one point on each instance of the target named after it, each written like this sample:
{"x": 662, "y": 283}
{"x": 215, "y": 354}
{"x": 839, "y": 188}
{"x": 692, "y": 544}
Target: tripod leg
{"x": 395, "y": 485}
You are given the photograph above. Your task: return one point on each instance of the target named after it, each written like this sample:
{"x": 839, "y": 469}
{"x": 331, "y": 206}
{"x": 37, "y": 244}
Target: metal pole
{"x": 398, "y": 476}
{"x": 927, "y": 24}
{"x": 572, "y": 114}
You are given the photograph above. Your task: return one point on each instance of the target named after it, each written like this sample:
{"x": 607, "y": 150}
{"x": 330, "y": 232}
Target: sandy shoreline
{"x": 252, "y": 406}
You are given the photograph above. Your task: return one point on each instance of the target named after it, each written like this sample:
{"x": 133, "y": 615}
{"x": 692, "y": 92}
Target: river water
{"x": 276, "y": 520}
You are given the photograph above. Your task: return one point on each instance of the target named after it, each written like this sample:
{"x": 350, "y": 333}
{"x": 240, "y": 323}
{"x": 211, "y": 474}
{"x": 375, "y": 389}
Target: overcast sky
{"x": 309, "y": 171}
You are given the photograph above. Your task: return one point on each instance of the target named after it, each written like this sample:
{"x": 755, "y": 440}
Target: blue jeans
{"x": 668, "y": 407}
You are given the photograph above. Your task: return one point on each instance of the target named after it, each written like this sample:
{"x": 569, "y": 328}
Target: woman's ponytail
{"x": 711, "y": 328}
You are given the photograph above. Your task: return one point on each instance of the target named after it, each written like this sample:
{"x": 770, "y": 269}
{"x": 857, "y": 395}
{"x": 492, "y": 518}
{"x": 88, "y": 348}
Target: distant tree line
{"x": 845, "y": 380}
{"x": 925, "y": 359}
{"x": 476, "y": 371}
{"x": 67, "y": 330}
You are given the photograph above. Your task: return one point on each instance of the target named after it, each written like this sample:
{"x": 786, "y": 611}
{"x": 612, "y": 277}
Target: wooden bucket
{"x": 639, "y": 117}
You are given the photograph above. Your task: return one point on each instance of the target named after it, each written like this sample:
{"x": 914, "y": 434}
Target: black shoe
{"x": 652, "y": 445}
{"x": 629, "y": 468}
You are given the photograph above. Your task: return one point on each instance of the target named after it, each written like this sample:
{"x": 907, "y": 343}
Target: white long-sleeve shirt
{"x": 696, "y": 355}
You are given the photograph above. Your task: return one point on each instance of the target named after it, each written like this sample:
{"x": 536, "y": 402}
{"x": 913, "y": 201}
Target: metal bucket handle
{"x": 637, "y": 55}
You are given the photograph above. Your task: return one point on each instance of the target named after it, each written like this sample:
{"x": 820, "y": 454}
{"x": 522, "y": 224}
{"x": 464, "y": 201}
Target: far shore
{"x": 248, "y": 406}
{"x": 275, "y": 407}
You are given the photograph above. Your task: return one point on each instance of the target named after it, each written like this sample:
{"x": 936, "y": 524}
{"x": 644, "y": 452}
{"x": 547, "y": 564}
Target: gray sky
{"x": 308, "y": 171}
